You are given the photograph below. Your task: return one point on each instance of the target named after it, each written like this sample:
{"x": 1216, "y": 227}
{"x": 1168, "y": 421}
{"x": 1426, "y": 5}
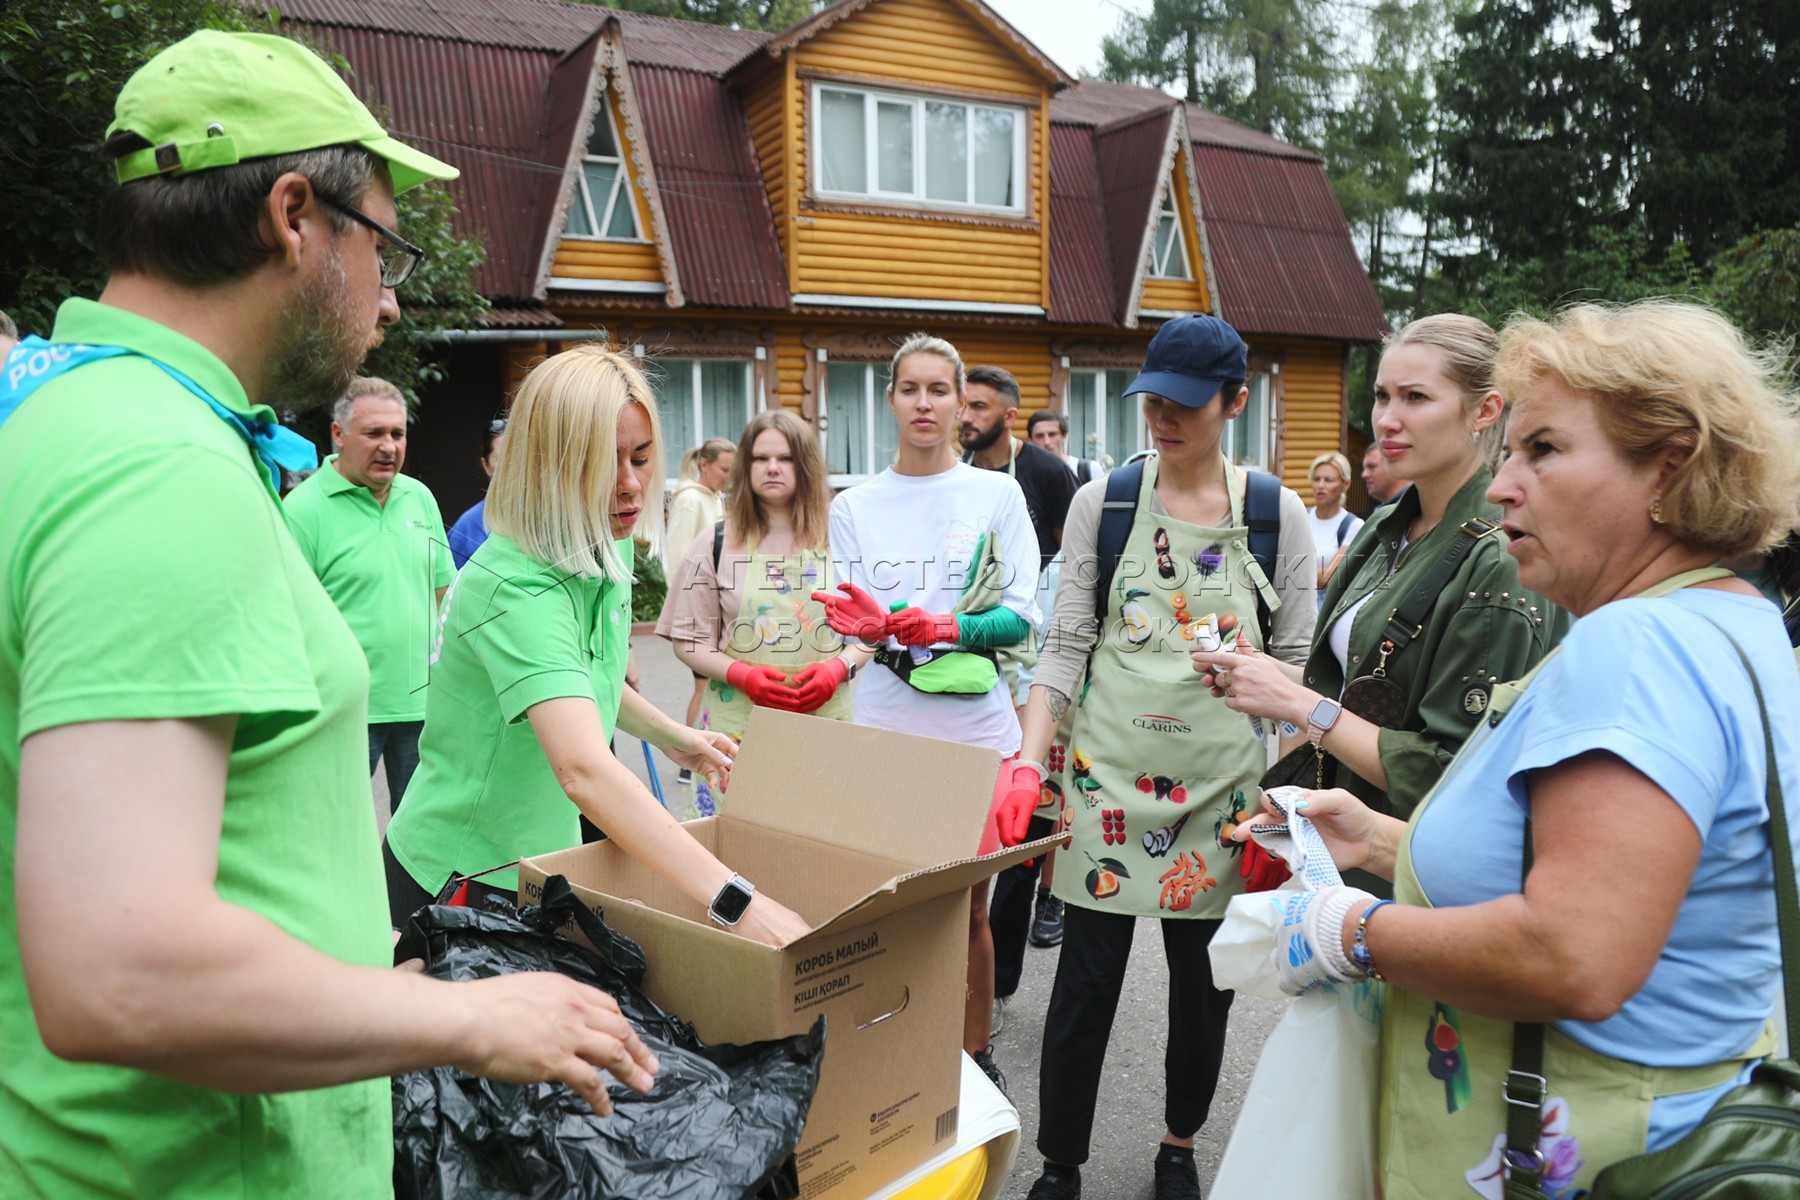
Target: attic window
{"x": 941, "y": 153}
{"x": 1168, "y": 257}
{"x": 603, "y": 205}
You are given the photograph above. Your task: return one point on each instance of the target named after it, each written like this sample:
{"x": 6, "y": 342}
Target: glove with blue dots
{"x": 1310, "y": 948}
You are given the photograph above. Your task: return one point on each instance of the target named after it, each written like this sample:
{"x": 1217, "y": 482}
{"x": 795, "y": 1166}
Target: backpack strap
{"x": 1116, "y": 514}
{"x": 718, "y": 542}
{"x": 1262, "y": 515}
{"x": 1344, "y": 527}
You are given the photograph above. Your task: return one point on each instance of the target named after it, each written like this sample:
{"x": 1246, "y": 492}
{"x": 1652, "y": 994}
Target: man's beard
{"x": 321, "y": 346}
{"x": 982, "y": 439}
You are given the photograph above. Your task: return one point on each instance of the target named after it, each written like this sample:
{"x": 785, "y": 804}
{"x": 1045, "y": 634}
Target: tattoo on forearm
{"x": 1059, "y": 702}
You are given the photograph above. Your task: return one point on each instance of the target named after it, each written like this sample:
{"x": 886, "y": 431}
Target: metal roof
{"x": 721, "y": 230}
{"x": 1081, "y": 279}
{"x": 1282, "y": 248}
{"x": 1129, "y": 154}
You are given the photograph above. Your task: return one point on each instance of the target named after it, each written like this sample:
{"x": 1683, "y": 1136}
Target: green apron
{"x": 1443, "y": 1115}
{"x": 780, "y": 625}
{"x": 1160, "y": 772}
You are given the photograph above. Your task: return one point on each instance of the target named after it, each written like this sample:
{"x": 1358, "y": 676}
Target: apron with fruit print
{"x": 779, "y": 625}
{"x": 1158, "y": 771}
{"x": 1443, "y": 1112}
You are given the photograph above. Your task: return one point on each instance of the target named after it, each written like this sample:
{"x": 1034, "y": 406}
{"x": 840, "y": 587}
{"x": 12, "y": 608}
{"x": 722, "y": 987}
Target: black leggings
{"x": 1090, "y": 975}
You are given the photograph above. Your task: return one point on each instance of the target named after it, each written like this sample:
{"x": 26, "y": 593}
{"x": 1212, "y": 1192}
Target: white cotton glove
{"x": 1310, "y": 950}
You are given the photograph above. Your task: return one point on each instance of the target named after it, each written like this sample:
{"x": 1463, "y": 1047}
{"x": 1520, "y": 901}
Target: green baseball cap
{"x": 214, "y": 99}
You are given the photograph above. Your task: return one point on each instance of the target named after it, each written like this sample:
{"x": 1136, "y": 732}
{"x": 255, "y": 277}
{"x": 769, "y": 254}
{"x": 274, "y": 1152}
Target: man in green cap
{"x": 194, "y": 992}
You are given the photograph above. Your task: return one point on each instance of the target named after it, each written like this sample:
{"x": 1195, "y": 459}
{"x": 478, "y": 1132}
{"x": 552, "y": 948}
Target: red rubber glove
{"x": 916, "y": 627}
{"x": 818, "y": 682}
{"x": 854, "y": 614}
{"x": 764, "y": 685}
{"x": 1020, "y": 786}
{"x": 1262, "y": 871}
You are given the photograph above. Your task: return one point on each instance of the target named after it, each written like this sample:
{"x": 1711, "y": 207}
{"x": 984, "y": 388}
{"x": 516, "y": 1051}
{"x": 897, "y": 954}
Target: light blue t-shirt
{"x": 1654, "y": 682}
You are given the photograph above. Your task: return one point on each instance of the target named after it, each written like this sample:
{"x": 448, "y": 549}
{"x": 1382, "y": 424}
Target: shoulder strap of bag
{"x": 1344, "y": 527}
{"x": 718, "y": 543}
{"x": 1526, "y": 1086}
{"x": 1262, "y": 516}
{"x": 1116, "y": 514}
{"x": 1407, "y": 620}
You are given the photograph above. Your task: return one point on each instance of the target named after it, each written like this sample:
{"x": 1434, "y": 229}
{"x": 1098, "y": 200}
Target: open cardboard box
{"x": 869, "y": 836}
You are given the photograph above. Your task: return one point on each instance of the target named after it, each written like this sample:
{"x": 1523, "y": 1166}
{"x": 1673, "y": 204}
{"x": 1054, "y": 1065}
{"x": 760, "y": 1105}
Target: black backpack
{"x": 1262, "y": 514}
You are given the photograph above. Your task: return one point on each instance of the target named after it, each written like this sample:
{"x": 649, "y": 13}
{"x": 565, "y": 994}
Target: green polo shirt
{"x": 382, "y": 565}
{"x": 148, "y": 573}
{"x": 516, "y": 632}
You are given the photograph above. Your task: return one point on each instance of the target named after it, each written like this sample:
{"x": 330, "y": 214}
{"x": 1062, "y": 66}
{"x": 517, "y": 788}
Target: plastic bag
{"x": 721, "y": 1123}
{"x": 1308, "y": 1122}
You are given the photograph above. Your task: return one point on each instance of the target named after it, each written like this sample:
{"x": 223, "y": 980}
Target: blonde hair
{"x": 925, "y": 343}
{"x": 706, "y": 452}
{"x": 1673, "y": 375}
{"x": 1468, "y": 346}
{"x": 812, "y": 484}
{"x": 1338, "y": 462}
{"x": 553, "y": 482}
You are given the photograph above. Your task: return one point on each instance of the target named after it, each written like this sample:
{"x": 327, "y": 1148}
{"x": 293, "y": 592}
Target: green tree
{"x": 1757, "y": 283}
{"x": 1266, "y": 63}
{"x": 61, "y": 64}
{"x": 771, "y": 15}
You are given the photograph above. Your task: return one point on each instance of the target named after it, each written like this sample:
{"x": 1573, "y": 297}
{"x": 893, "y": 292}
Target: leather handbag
{"x": 1374, "y": 697}
{"x": 1748, "y": 1146}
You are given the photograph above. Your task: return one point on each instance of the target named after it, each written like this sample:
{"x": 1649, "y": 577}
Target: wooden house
{"x": 762, "y": 217}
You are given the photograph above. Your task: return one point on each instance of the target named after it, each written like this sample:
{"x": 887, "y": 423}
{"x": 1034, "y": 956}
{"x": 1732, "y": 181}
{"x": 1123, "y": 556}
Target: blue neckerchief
{"x": 35, "y": 362}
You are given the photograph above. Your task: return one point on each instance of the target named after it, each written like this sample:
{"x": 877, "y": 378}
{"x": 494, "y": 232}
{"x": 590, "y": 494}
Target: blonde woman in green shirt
{"x": 527, "y": 683}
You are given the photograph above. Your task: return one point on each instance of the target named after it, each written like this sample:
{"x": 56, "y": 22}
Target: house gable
{"x": 1164, "y": 296}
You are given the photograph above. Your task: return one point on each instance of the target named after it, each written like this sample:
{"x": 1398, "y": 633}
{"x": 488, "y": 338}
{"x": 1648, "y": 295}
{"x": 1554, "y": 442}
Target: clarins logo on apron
{"x": 1160, "y": 724}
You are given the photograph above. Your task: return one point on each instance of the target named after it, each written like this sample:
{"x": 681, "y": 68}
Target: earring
{"x": 1656, "y": 517}
{"x": 1474, "y": 435}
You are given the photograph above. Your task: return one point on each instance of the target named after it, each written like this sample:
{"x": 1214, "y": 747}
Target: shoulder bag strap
{"x": 1526, "y": 1086}
{"x": 1116, "y": 514}
{"x": 1262, "y": 517}
{"x": 718, "y": 543}
{"x": 1407, "y": 620}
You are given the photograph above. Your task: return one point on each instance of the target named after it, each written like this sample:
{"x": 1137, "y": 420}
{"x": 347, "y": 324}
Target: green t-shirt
{"x": 382, "y": 566}
{"x": 516, "y": 632}
{"x": 148, "y": 573}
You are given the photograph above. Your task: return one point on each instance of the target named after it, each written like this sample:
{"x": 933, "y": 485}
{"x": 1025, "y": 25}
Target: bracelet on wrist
{"x": 1359, "y": 946}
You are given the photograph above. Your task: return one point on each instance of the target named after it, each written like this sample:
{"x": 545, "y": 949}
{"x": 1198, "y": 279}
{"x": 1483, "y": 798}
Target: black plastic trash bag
{"x": 721, "y": 1123}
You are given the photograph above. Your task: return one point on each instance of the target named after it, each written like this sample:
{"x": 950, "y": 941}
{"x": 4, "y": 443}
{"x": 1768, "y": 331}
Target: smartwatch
{"x": 733, "y": 899}
{"x": 1324, "y": 715}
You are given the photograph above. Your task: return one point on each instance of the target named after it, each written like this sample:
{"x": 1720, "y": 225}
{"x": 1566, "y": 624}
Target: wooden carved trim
{"x": 838, "y": 347}
{"x": 1129, "y": 355}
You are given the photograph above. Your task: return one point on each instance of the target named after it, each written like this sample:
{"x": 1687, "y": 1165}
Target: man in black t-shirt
{"x": 990, "y": 406}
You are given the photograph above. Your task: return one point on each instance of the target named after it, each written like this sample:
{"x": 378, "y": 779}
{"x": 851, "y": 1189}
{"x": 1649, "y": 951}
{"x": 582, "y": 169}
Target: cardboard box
{"x": 870, "y": 836}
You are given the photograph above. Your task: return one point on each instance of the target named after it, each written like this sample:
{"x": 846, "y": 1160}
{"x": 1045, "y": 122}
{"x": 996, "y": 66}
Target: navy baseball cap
{"x": 1190, "y": 359}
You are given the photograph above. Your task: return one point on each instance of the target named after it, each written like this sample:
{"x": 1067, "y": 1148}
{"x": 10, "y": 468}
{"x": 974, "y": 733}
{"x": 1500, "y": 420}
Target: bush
{"x": 648, "y": 592}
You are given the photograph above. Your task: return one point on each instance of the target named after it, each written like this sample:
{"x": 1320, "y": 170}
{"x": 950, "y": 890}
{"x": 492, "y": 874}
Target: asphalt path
{"x": 1128, "y": 1123}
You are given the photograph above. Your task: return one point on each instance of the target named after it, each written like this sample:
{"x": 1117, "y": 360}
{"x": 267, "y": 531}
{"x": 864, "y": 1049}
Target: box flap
{"x": 916, "y": 800}
{"x": 931, "y": 882}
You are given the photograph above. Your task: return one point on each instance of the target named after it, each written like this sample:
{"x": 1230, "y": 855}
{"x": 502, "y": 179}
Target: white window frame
{"x": 622, "y": 188}
{"x": 874, "y": 406}
{"x": 872, "y": 98}
{"x": 673, "y": 460}
{"x": 1177, "y": 249}
{"x": 1142, "y": 431}
{"x": 1252, "y": 443}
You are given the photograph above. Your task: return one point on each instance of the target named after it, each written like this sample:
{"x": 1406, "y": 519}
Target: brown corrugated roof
{"x": 519, "y": 24}
{"x": 1281, "y": 248}
{"x": 689, "y": 45}
{"x": 1129, "y": 154}
{"x": 1081, "y": 279}
{"x": 721, "y": 230}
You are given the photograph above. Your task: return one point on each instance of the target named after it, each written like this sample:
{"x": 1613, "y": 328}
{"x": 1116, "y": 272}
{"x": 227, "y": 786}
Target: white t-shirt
{"x": 913, "y": 538}
{"x": 1325, "y": 532}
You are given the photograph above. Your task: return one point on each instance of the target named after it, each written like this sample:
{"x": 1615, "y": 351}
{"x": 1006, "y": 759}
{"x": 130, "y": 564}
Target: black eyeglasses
{"x": 399, "y": 258}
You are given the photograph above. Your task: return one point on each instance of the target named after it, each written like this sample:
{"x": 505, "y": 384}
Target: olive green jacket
{"x": 1483, "y": 629}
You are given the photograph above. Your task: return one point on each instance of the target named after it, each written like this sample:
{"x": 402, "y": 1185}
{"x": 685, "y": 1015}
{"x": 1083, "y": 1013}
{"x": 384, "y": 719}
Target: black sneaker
{"x": 1056, "y": 1183}
{"x": 1176, "y": 1176}
{"x": 985, "y": 1060}
{"x": 1047, "y": 926}
{"x": 998, "y": 1024}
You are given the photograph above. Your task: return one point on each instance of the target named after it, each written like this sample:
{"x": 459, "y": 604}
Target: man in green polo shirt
{"x": 375, "y": 539}
{"x": 195, "y": 999}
